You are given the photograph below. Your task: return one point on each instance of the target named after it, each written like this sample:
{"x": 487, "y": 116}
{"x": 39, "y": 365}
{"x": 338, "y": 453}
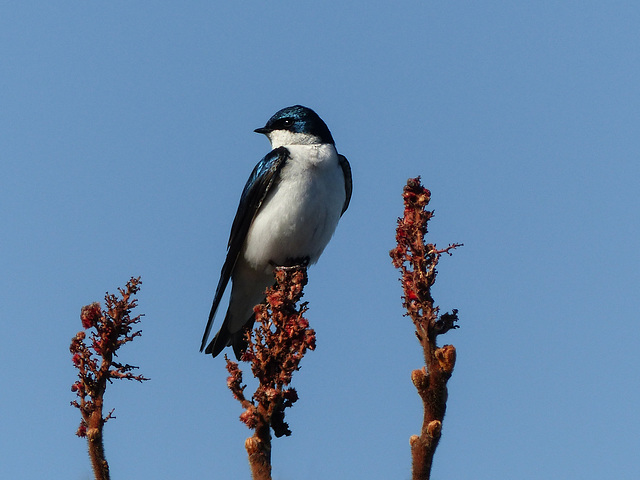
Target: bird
{"x": 288, "y": 212}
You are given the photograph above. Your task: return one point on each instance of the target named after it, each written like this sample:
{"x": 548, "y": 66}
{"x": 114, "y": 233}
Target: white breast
{"x": 301, "y": 213}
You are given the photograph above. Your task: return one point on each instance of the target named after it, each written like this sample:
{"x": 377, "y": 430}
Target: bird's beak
{"x": 263, "y": 130}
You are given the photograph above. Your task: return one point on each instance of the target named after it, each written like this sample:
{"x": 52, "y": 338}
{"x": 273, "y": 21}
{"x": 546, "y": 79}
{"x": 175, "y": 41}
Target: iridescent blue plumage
{"x": 252, "y": 197}
{"x": 298, "y": 119}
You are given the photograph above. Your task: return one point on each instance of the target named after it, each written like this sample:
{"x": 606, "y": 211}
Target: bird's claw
{"x": 292, "y": 263}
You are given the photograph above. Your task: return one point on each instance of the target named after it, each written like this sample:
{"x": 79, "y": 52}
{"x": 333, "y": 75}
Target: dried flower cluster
{"x": 275, "y": 348}
{"x": 417, "y": 262}
{"x": 107, "y": 330}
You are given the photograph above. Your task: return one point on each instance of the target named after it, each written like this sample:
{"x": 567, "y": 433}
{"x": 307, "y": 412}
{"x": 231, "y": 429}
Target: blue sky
{"x": 126, "y": 138}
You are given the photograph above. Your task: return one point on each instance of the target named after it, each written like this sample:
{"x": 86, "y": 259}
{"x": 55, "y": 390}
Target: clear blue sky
{"x": 125, "y": 141}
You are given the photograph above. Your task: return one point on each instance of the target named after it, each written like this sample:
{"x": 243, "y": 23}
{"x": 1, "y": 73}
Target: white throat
{"x": 279, "y": 138}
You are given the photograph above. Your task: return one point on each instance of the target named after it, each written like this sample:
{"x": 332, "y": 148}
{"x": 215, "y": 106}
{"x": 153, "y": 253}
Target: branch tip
{"x": 417, "y": 261}
{"x": 106, "y": 331}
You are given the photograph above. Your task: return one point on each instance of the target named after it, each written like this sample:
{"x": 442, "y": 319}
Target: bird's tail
{"x": 225, "y": 338}
{"x": 218, "y": 343}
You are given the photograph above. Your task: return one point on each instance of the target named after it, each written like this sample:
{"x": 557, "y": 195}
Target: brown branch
{"x": 417, "y": 262}
{"x": 275, "y": 348}
{"x": 108, "y": 330}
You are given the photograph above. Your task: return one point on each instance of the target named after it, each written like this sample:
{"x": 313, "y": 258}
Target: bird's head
{"x": 296, "y": 125}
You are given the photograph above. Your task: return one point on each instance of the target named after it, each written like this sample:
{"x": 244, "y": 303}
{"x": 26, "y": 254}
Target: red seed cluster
{"x": 275, "y": 349}
{"x": 107, "y": 330}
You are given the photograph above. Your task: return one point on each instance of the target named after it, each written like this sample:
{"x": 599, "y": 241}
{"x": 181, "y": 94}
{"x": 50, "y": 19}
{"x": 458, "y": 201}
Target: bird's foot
{"x": 293, "y": 263}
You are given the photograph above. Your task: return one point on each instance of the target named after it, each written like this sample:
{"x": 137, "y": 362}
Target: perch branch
{"x": 274, "y": 348}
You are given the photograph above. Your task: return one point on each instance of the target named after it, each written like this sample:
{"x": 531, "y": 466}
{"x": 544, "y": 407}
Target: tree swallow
{"x": 288, "y": 211}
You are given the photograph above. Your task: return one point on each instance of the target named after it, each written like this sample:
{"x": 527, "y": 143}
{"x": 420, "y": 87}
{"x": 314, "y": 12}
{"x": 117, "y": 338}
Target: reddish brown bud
{"x": 76, "y": 359}
{"x": 446, "y": 357}
{"x": 89, "y": 315}
{"x": 310, "y": 340}
{"x": 434, "y": 428}
{"x": 411, "y": 295}
{"x": 291, "y": 395}
{"x": 248, "y": 417}
{"x": 271, "y": 393}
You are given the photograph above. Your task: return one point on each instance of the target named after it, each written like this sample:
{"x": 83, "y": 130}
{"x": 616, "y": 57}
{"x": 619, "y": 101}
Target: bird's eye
{"x": 287, "y": 122}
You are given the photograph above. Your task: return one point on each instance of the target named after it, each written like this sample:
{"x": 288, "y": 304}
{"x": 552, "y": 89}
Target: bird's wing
{"x": 346, "y": 170}
{"x": 255, "y": 191}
